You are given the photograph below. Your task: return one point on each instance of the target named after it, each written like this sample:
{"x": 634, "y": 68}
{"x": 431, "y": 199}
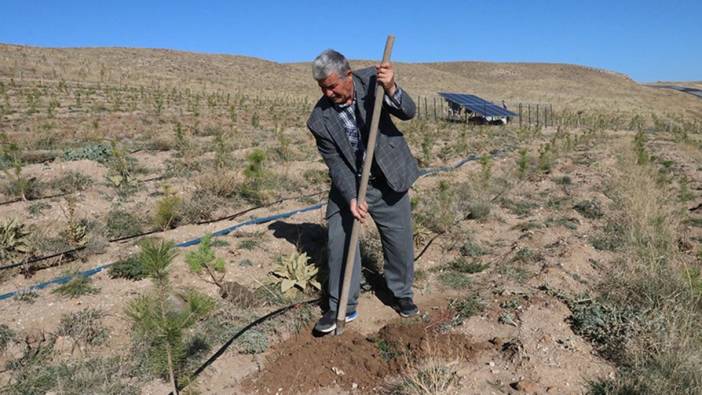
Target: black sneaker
{"x": 327, "y": 323}
{"x": 406, "y": 307}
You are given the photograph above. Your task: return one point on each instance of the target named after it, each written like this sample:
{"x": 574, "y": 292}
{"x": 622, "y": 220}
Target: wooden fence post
{"x": 520, "y": 115}
{"x": 434, "y": 109}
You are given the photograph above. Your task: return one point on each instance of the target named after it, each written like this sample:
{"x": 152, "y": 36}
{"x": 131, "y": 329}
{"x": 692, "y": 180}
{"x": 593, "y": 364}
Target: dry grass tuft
{"x": 659, "y": 313}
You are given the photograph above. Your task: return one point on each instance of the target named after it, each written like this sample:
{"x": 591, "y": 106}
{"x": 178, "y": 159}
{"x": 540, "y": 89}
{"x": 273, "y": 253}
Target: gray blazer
{"x": 392, "y": 155}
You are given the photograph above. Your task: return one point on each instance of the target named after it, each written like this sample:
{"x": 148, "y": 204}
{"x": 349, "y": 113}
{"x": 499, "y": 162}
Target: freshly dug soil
{"x": 305, "y": 363}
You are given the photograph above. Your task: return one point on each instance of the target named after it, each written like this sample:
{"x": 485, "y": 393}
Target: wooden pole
{"x": 520, "y": 115}
{"x": 434, "y": 109}
{"x": 350, "y": 258}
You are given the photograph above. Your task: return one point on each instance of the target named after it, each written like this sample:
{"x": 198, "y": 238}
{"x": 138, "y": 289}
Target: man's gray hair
{"x": 329, "y": 62}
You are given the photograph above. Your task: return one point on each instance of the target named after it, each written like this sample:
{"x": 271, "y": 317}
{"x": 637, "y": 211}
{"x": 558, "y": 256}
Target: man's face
{"x": 338, "y": 90}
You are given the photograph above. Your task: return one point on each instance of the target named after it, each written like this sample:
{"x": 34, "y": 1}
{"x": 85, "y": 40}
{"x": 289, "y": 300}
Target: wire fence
{"x": 528, "y": 114}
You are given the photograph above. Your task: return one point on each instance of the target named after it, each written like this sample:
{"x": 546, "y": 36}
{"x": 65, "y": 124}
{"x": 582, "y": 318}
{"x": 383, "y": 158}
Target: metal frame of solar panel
{"x": 477, "y": 105}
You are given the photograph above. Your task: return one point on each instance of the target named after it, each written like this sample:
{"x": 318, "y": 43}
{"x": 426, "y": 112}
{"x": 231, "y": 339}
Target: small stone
{"x": 337, "y": 371}
{"x": 354, "y": 386}
{"x": 491, "y": 364}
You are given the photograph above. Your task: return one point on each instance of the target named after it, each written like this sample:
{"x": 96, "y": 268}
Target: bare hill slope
{"x": 564, "y": 86}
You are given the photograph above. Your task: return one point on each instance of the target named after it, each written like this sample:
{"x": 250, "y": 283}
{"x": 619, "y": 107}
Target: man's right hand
{"x": 359, "y": 211}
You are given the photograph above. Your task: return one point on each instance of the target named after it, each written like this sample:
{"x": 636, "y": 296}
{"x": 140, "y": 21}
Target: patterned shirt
{"x": 347, "y": 114}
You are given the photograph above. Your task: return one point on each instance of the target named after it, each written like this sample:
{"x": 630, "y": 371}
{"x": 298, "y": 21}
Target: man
{"x": 340, "y": 123}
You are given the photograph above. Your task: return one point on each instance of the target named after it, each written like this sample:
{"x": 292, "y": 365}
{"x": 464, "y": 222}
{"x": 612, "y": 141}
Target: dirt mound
{"x": 304, "y": 363}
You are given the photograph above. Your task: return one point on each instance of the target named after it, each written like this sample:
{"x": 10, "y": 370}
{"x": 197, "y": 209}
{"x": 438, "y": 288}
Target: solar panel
{"x": 477, "y": 105}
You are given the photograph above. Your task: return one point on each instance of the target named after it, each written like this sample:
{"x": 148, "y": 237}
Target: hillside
{"x": 564, "y": 86}
{"x": 556, "y": 258}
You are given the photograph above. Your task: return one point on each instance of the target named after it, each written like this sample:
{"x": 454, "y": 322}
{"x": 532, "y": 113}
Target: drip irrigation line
{"x": 161, "y": 177}
{"x": 35, "y": 199}
{"x": 243, "y": 330}
{"x": 124, "y": 238}
{"x": 41, "y": 258}
{"x": 66, "y": 278}
{"x": 426, "y": 247}
{"x": 66, "y": 193}
{"x": 237, "y": 214}
{"x": 226, "y": 218}
{"x": 255, "y": 221}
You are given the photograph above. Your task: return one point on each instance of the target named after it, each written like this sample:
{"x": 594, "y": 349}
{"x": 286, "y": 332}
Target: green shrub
{"x": 249, "y": 244}
{"x": 589, "y": 209}
{"x": 122, "y": 223}
{"x": 485, "y": 170}
{"x": 167, "y": 212}
{"x": 465, "y": 308}
{"x": 253, "y": 342}
{"x": 454, "y": 279}
{"x": 255, "y": 188}
{"x": 101, "y": 153}
{"x": 464, "y": 265}
{"x": 316, "y": 177}
{"x": 611, "y": 238}
{"x": 607, "y": 326}
{"x": 478, "y": 209}
{"x": 204, "y": 257}
{"x": 129, "y": 268}
{"x": 6, "y": 336}
{"x": 546, "y": 158}
{"x": 520, "y": 208}
{"x": 72, "y": 182}
{"x": 36, "y": 208}
{"x": 472, "y": 249}
{"x": 78, "y": 286}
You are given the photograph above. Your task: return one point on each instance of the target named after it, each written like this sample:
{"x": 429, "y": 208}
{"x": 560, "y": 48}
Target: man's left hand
{"x": 386, "y": 77}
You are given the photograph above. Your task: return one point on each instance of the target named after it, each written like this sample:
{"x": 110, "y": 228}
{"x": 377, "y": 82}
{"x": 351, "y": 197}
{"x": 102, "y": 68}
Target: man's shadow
{"x": 311, "y": 238}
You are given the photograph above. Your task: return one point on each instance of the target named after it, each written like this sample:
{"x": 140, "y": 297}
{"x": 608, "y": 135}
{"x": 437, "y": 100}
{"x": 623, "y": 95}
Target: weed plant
{"x": 167, "y": 213}
{"x": 6, "y": 336}
{"x": 84, "y": 327}
{"x": 122, "y": 223}
{"x": 76, "y": 287}
{"x": 130, "y": 268}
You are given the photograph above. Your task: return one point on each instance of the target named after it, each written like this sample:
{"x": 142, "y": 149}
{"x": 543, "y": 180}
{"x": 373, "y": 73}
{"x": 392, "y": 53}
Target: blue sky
{"x": 648, "y": 40}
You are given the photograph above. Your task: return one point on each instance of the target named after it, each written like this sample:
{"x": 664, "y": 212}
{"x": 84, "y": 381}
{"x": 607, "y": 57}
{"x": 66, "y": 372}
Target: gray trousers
{"x": 391, "y": 213}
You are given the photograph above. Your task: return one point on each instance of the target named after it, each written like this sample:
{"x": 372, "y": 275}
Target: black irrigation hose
{"x": 35, "y": 199}
{"x": 41, "y": 258}
{"x": 232, "y": 216}
{"x": 67, "y": 193}
{"x": 120, "y": 239}
{"x": 426, "y": 247}
{"x": 226, "y": 218}
{"x": 243, "y": 330}
{"x": 425, "y": 172}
